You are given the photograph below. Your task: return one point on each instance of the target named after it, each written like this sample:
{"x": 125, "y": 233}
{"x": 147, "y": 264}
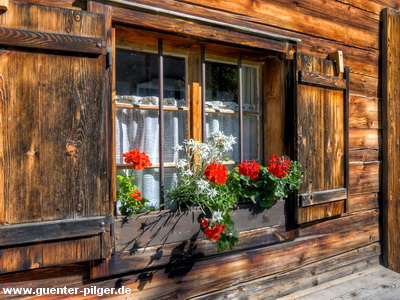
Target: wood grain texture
{"x": 364, "y": 155}
{"x": 363, "y": 202}
{"x": 391, "y": 133}
{"x": 315, "y": 274}
{"x": 289, "y": 16}
{"x": 362, "y": 139}
{"x": 52, "y": 19}
{"x": 321, "y": 80}
{"x": 52, "y": 230}
{"x": 320, "y": 132}
{"x": 166, "y": 227}
{"x": 196, "y": 30}
{"x": 184, "y": 278}
{"x": 136, "y": 256}
{"x": 364, "y": 177}
{"x": 50, "y": 41}
{"x": 364, "y": 112}
{"x": 274, "y": 108}
{"x": 322, "y": 197}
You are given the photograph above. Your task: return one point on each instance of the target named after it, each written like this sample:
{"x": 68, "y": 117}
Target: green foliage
{"x": 267, "y": 189}
{"x": 129, "y": 205}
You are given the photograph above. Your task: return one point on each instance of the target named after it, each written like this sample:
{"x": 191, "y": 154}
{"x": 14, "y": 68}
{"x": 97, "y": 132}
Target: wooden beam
{"x": 391, "y": 138}
{"x": 322, "y": 197}
{"x": 321, "y": 80}
{"x": 53, "y": 230}
{"x": 337, "y": 58}
{"x": 4, "y": 4}
{"x": 51, "y": 41}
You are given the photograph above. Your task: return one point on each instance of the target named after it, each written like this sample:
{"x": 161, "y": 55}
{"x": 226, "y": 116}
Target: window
{"x": 227, "y": 78}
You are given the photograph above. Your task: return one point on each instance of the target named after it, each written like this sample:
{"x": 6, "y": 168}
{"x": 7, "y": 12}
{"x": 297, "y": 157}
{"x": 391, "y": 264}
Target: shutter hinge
{"x": 109, "y": 57}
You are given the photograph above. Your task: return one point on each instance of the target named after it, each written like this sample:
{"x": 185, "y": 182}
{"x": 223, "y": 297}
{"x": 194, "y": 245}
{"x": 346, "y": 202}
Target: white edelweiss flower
{"x": 203, "y": 185}
{"x": 213, "y": 193}
{"x": 188, "y": 173}
{"x": 217, "y": 216}
{"x": 181, "y": 163}
{"x": 178, "y": 148}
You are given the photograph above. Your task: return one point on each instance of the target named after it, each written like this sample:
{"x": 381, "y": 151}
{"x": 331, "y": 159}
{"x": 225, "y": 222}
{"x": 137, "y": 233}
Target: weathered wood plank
{"x": 72, "y": 251}
{"x": 50, "y": 41}
{"x": 139, "y": 257}
{"x": 320, "y": 129}
{"x": 196, "y": 30}
{"x": 364, "y": 155}
{"x": 371, "y": 5}
{"x": 364, "y": 178}
{"x": 52, "y": 19}
{"x": 320, "y": 211}
{"x": 364, "y": 112}
{"x": 362, "y": 85}
{"x": 186, "y": 278}
{"x": 71, "y": 4}
{"x": 321, "y": 80}
{"x": 322, "y": 197}
{"x": 326, "y": 270}
{"x": 66, "y": 275}
{"x": 361, "y": 139}
{"x": 20, "y": 135}
{"x": 167, "y": 227}
{"x": 374, "y": 283}
{"x": 4, "y": 4}
{"x": 363, "y": 202}
{"x": 290, "y": 18}
{"x": 52, "y": 230}
{"x": 391, "y": 133}
{"x": 274, "y": 108}
{"x": 21, "y": 258}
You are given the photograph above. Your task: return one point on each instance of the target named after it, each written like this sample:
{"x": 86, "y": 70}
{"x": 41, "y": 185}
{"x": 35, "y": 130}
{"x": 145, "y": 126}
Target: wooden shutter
{"x": 54, "y": 204}
{"x": 321, "y": 141}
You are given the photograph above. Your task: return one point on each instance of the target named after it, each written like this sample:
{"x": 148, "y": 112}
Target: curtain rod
{"x": 205, "y": 20}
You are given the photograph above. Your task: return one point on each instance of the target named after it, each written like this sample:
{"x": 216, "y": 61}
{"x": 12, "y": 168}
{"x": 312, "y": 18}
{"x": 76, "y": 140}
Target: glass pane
{"x": 221, "y": 86}
{"x": 228, "y": 124}
{"x": 147, "y": 181}
{"x": 250, "y": 88}
{"x": 139, "y": 129}
{"x": 251, "y": 137}
{"x": 137, "y": 78}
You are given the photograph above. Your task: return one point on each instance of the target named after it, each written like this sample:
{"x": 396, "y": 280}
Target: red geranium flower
{"x": 278, "y": 167}
{"x": 251, "y": 169}
{"x": 204, "y": 222}
{"x": 216, "y": 173}
{"x": 214, "y": 233}
{"x": 136, "y": 195}
{"x": 138, "y": 160}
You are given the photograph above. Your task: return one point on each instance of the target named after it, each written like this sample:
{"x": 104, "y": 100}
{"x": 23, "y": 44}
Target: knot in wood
{"x": 72, "y": 148}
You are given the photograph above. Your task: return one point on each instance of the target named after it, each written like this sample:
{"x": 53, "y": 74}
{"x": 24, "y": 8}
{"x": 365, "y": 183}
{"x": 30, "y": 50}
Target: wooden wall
{"x": 323, "y": 251}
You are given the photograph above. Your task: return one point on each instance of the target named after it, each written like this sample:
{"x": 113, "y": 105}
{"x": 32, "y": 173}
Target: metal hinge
{"x": 109, "y": 57}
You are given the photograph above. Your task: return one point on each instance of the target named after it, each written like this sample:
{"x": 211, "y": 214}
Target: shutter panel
{"x": 321, "y": 144}
{"x": 54, "y": 202}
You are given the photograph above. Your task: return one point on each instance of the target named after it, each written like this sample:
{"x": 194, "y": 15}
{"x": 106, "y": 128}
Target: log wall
{"x": 269, "y": 269}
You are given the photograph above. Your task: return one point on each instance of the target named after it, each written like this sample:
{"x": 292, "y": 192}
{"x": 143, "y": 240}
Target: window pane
{"x": 139, "y": 129}
{"x": 250, "y": 88}
{"x": 228, "y": 124}
{"x": 137, "y": 78}
{"x": 147, "y": 181}
{"x": 251, "y": 137}
{"x": 221, "y": 85}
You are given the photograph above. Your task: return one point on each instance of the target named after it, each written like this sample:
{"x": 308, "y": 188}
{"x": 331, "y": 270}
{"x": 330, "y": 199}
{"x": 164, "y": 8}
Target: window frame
{"x": 225, "y": 53}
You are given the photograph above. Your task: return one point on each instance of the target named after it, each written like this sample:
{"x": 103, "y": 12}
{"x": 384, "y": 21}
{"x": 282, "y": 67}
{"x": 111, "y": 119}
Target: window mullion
{"x": 161, "y": 116}
{"x": 203, "y": 92}
{"x": 240, "y": 104}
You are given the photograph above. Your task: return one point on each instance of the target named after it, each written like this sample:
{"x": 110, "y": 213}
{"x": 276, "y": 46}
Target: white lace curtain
{"x": 138, "y": 128}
